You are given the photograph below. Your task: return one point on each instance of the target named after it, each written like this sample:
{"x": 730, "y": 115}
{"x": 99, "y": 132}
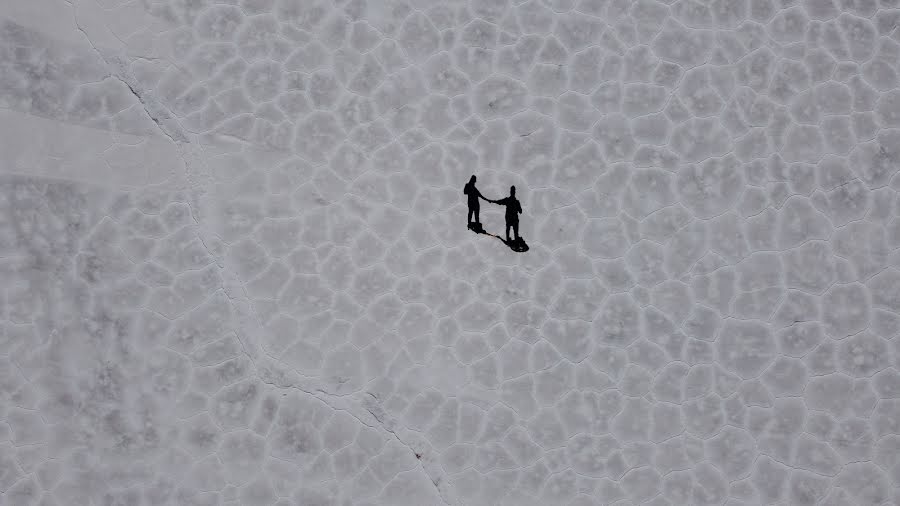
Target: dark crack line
{"x": 152, "y": 117}
{"x": 418, "y": 455}
{"x": 140, "y": 98}
{"x": 382, "y": 423}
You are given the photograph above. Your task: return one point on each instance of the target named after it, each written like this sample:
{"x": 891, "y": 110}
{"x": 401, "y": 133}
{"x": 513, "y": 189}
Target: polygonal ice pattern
{"x": 235, "y": 269}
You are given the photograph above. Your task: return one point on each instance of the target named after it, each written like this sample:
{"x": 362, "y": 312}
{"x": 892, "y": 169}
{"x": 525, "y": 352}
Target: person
{"x": 513, "y": 209}
{"x": 474, "y": 205}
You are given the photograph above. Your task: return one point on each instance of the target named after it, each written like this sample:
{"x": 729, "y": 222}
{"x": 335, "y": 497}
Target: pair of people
{"x": 513, "y": 208}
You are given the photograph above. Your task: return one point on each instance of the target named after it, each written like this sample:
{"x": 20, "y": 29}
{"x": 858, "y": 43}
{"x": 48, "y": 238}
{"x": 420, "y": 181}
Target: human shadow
{"x": 517, "y": 244}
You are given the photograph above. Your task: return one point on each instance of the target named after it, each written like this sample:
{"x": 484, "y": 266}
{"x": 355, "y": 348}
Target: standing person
{"x": 474, "y": 205}
{"x": 513, "y": 209}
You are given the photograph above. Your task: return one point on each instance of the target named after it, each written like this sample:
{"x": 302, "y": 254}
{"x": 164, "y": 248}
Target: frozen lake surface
{"x": 235, "y": 268}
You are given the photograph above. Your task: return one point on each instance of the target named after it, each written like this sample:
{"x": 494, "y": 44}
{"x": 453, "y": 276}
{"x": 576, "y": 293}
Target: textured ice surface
{"x": 235, "y": 268}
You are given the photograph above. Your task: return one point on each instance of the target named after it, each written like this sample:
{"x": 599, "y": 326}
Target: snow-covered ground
{"x": 235, "y": 269}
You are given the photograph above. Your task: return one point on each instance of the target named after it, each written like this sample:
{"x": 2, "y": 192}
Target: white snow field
{"x": 235, "y": 269}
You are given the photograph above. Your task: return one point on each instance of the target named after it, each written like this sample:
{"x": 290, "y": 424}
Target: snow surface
{"x": 235, "y": 269}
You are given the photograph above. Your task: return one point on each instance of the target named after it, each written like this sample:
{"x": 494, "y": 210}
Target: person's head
{"x": 473, "y": 179}
{"x": 512, "y": 191}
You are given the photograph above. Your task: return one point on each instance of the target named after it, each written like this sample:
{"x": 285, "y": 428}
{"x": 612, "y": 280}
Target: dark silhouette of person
{"x": 513, "y": 209}
{"x": 474, "y": 205}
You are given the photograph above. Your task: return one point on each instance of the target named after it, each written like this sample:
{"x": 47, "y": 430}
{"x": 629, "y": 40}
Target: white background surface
{"x": 235, "y": 268}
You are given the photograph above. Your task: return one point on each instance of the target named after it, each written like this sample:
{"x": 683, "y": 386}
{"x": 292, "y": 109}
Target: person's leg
{"x": 508, "y": 224}
{"x": 477, "y": 219}
{"x": 471, "y": 212}
{"x": 515, "y": 226}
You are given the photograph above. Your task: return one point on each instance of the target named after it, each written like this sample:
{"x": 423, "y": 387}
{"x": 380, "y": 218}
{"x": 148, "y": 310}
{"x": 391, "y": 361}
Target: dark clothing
{"x": 473, "y": 212}
{"x": 513, "y": 208}
{"x": 474, "y": 205}
{"x": 473, "y": 194}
